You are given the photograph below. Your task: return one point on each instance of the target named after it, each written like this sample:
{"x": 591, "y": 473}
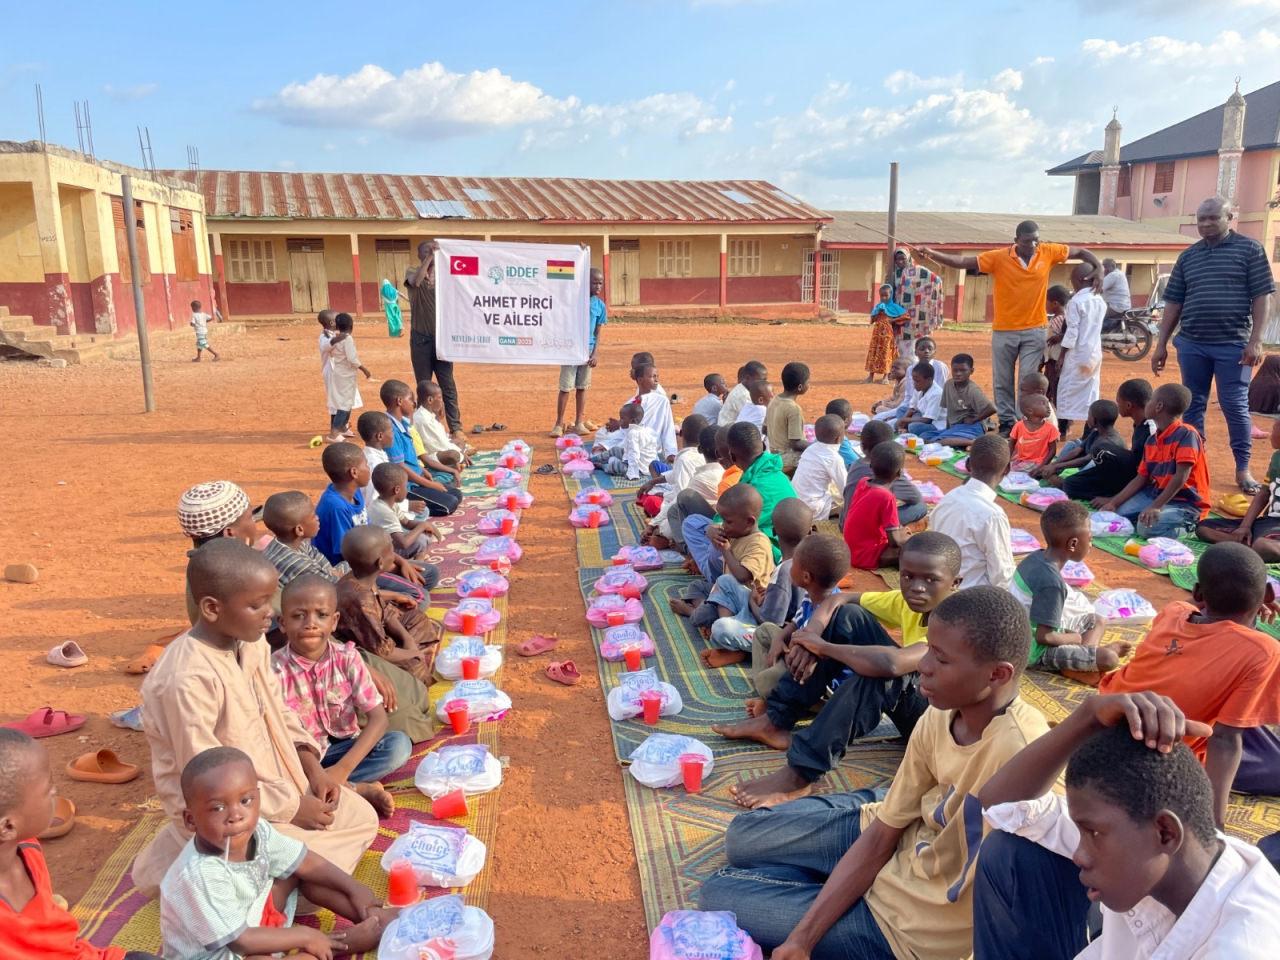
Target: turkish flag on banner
{"x": 464, "y": 266}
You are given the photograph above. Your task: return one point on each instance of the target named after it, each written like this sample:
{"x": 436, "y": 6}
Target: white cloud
{"x": 433, "y": 101}
{"x": 1007, "y": 80}
{"x": 901, "y": 81}
{"x": 1228, "y": 47}
{"x": 1042, "y": 61}
{"x": 137, "y": 91}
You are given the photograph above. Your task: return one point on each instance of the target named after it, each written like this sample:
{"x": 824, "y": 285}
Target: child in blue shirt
{"x": 577, "y": 377}
{"x": 844, "y": 410}
{"x": 400, "y": 403}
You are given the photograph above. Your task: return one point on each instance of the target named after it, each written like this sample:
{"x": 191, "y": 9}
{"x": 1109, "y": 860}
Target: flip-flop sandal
{"x": 537, "y": 644}
{"x": 545, "y": 468}
{"x": 1250, "y": 489}
{"x": 144, "y": 661}
{"x": 478, "y": 428}
{"x": 495, "y": 427}
{"x": 69, "y": 654}
{"x": 130, "y": 719}
{"x": 556, "y": 431}
{"x": 64, "y": 818}
{"x": 1257, "y": 433}
{"x": 566, "y": 673}
{"x": 580, "y": 429}
{"x": 101, "y": 766}
{"x": 47, "y": 722}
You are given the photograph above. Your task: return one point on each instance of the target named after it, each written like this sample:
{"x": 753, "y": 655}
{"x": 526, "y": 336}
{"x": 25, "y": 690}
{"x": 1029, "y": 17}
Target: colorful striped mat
{"x": 113, "y": 912}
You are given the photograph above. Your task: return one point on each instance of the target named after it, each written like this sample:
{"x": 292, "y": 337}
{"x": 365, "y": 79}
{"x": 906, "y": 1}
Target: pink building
{"x": 1231, "y": 151}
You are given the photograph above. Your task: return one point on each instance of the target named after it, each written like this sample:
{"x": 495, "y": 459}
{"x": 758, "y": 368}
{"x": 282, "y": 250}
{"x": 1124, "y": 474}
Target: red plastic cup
{"x": 459, "y": 715}
{"x": 619, "y": 561}
{"x": 501, "y": 565}
{"x": 470, "y": 623}
{"x": 651, "y": 702}
{"x": 633, "y": 658}
{"x": 452, "y": 804}
{"x": 615, "y": 618}
{"x": 491, "y": 479}
{"x": 691, "y": 769}
{"x": 593, "y": 519}
{"x": 470, "y": 668}
{"x": 508, "y": 524}
{"x": 593, "y": 496}
{"x": 402, "y": 885}
{"x": 631, "y": 591}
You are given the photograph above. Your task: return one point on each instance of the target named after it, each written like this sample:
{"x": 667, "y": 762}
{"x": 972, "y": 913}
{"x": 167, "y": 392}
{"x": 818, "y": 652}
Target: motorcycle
{"x": 1130, "y": 335}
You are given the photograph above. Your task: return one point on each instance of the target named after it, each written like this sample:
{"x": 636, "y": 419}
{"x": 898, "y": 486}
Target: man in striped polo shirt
{"x": 1218, "y": 292}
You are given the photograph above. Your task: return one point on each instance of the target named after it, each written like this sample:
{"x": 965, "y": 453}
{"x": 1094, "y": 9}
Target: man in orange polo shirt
{"x": 1021, "y": 276}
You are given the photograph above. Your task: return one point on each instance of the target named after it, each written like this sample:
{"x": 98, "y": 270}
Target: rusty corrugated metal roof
{"x": 231, "y": 194}
{"x": 865, "y": 228}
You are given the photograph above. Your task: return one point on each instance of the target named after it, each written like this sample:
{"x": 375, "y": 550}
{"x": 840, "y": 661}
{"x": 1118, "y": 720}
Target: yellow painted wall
{"x": 73, "y": 232}
{"x": 337, "y": 259}
{"x": 19, "y": 240}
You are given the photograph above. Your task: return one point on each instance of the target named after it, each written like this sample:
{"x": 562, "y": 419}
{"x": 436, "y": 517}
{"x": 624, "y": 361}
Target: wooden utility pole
{"x": 892, "y": 230}
{"x": 139, "y": 308}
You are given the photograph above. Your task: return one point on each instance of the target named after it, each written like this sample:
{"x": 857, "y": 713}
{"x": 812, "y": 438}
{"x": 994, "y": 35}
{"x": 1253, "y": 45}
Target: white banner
{"x": 512, "y": 302}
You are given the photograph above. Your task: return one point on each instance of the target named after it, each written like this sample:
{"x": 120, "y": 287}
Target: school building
{"x": 63, "y": 257}
{"x": 290, "y": 244}
{"x": 855, "y": 259}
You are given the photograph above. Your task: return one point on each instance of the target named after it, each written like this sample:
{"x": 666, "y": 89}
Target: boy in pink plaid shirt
{"x": 328, "y": 686}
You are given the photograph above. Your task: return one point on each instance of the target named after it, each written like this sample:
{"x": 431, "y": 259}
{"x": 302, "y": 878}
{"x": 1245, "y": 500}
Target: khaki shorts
{"x": 575, "y": 377}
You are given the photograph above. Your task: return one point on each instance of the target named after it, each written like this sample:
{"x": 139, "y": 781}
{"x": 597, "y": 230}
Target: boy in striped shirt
{"x": 1170, "y": 494}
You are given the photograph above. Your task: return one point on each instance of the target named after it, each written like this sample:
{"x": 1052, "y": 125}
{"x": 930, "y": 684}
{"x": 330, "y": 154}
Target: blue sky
{"x": 975, "y": 99}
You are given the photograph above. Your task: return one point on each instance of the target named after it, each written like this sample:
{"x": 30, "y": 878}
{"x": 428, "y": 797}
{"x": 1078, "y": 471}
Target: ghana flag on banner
{"x": 559, "y": 269}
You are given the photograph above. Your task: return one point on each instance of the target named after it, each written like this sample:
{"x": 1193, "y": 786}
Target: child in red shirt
{"x": 871, "y": 527}
{"x": 32, "y": 925}
{"x": 1035, "y": 437}
{"x": 1209, "y": 660}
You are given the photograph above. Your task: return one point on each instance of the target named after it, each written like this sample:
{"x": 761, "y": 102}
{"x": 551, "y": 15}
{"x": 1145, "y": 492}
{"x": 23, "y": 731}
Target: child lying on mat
{"x": 232, "y": 891}
{"x": 214, "y": 686}
{"x": 33, "y": 926}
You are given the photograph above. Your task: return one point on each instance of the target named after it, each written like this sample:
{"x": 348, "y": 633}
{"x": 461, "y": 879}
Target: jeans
{"x": 732, "y": 632}
{"x": 912, "y": 512}
{"x": 1176, "y": 519}
{"x": 440, "y": 503}
{"x": 689, "y": 503}
{"x": 1202, "y": 363}
{"x": 703, "y": 552}
{"x": 959, "y": 431}
{"x": 389, "y": 754}
{"x": 339, "y": 420}
{"x": 1028, "y": 902}
{"x": 779, "y": 858}
{"x": 1008, "y": 347}
{"x": 1259, "y": 771}
{"x": 422, "y": 352}
{"x": 853, "y": 710}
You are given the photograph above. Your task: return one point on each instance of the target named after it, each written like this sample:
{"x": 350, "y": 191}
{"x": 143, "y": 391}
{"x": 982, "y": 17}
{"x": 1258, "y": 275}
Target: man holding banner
{"x": 578, "y": 377}
{"x": 421, "y": 283}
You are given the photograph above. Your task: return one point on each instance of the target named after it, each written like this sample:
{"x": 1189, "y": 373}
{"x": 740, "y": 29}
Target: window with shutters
{"x": 122, "y": 240}
{"x": 1162, "y": 182}
{"x": 744, "y": 258}
{"x": 182, "y": 226}
{"x": 1124, "y": 185}
{"x": 250, "y": 261}
{"x": 675, "y": 258}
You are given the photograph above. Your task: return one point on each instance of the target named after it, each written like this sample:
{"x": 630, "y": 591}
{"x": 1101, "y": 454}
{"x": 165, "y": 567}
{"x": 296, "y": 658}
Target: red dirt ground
{"x": 91, "y": 501}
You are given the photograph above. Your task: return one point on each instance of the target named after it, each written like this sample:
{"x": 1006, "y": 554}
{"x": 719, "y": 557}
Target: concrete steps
{"x": 21, "y": 337}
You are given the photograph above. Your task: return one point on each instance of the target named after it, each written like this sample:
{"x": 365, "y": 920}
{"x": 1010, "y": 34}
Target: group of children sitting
{"x": 978, "y": 757}
{"x": 300, "y": 684}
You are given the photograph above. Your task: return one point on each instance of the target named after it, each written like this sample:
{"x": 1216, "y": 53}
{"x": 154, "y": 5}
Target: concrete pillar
{"x": 100, "y": 252}
{"x": 1109, "y": 180}
{"x": 53, "y": 250}
{"x": 959, "y": 296}
{"x": 724, "y": 270}
{"x": 220, "y": 276}
{"x": 604, "y": 267}
{"x": 355, "y": 272}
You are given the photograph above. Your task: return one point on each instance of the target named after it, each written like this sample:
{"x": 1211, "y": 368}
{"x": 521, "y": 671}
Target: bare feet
{"x": 1110, "y": 654}
{"x": 364, "y": 936}
{"x": 760, "y": 729}
{"x": 755, "y": 707}
{"x": 715, "y": 657}
{"x": 778, "y": 787}
{"x": 684, "y": 608}
{"x": 691, "y": 566}
{"x": 659, "y": 542}
{"x": 1090, "y": 678}
{"x": 377, "y": 796}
